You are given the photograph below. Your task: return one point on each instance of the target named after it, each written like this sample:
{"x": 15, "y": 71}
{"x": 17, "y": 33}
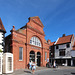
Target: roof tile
{"x": 2, "y": 26}
{"x": 52, "y": 43}
{"x": 73, "y": 46}
{"x": 64, "y": 39}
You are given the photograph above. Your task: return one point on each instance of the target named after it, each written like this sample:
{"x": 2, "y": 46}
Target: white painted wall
{"x": 0, "y": 63}
{"x": 67, "y": 51}
{"x": 1, "y": 40}
{"x": 73, "y": 53}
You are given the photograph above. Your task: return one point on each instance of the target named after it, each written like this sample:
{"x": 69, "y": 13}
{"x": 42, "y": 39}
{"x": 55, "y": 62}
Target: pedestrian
{"x": 30, "y": 64}
{"x": 33, "y": 67}
{"x": 54, "y": 65}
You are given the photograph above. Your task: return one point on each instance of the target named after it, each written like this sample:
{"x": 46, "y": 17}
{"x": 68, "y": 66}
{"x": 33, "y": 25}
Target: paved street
{"x": 58, "y": 71}
{"x": 47, "y": 71}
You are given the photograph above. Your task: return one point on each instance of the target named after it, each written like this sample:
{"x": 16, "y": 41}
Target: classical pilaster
{"x": 36, "y": 58}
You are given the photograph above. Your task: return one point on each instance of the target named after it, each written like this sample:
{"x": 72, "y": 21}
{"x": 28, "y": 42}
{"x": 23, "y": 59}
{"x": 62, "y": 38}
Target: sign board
{"x": 47, "y": 59}
{"x": 35, "y": 48}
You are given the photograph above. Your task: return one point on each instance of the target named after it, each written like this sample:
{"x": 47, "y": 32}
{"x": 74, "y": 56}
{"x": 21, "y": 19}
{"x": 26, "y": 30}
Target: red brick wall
{"x": 45, "y": 46}
{"x": 18, "y": 40}
{"x": 22, "y": 38}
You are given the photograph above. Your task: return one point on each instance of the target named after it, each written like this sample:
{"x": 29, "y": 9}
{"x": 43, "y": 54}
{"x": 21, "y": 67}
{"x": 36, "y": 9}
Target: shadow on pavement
{"x": 72, "y": 73}
{"x": 27, "y": 71}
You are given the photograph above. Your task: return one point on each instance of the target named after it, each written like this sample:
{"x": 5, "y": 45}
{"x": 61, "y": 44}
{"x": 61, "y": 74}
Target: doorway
{"x": 74, "y": 62}
{"x": 69, "y": 62}
{"x": 38, "y": 59}
{"x": 32, "y": 56}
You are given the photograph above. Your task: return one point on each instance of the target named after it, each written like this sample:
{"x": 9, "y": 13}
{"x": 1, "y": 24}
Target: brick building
{"x": 28, "y": 43}
{"x": 52, "y": 52}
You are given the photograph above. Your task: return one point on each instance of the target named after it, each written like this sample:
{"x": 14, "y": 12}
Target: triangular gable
{"x": 36, "y": 20}
{"x": 2, "y": 26}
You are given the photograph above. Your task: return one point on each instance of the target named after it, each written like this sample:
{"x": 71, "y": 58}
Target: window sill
{"x": 20, "y": 60}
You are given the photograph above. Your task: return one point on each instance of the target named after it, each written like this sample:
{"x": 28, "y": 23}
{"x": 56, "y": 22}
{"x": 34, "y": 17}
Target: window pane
{"x": 30, "y": 41}
{"x": 57, "y": 47}
{"x": 62, "y": 52}
{"x": 35, "y": 41}
{"x": 68, "y": 45}
{"x": 45, "y": 56}
{"x": 20, "y": 53}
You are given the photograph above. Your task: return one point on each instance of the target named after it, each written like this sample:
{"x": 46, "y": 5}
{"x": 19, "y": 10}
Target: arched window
{"x": 35, "y": 41}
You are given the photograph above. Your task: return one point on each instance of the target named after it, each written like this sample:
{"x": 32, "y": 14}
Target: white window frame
{"x": 35, "y": 41}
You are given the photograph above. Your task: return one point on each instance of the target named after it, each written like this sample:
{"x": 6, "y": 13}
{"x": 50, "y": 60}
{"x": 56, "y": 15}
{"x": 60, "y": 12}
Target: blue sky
{"x": 57, "y": 16}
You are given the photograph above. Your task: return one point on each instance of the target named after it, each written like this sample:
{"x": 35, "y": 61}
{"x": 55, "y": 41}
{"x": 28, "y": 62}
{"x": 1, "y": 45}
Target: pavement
{"x": 45, "y": 71}
{"x": 26, "y": 71}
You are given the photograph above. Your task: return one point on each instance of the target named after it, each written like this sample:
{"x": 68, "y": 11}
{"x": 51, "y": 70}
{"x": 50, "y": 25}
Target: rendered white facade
{"x": 0, "y": 63}
{"x": 67, "y": 51}
{"x": 73, "y": 53}
{"x": 1, "y": 40}
{"x": 64, "y": 53}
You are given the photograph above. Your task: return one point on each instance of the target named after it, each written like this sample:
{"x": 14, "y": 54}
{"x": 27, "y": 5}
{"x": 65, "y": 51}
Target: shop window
{"x": 20, "y": 53}
{"x": 35, "y": 41}
{"x": 62, "y": 52}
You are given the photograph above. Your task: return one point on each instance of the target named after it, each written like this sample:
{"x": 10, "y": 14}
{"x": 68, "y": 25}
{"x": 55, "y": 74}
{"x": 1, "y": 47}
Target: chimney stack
{"x": 63, "y": 35}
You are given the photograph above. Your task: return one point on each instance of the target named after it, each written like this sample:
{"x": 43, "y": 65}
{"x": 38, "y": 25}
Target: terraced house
{"x": 63, "y": 49}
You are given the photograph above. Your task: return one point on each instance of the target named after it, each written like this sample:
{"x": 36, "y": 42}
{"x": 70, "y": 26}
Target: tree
{"x": 1, "y": 50}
